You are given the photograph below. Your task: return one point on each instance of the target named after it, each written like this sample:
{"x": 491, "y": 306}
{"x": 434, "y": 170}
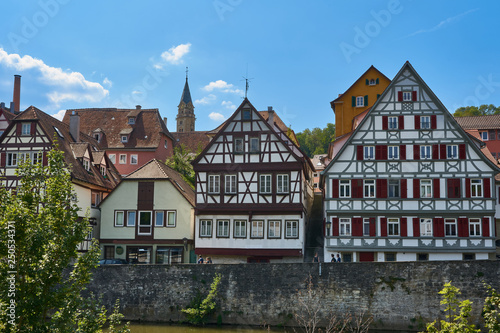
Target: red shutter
{"x": 335, "y": 226}
{"x": 372, "y": 227}
{"x": 416, "y": 227}
{"x": 435, "y": 152}
{"x": 383, "y": 227}
{"x": 453, "y": 187}
{"x": 385, "y": 122}
{"x": 404, "y": 227}
{"x": 433, "y": 122}
{"x": 381, "y": 188}
{"x": 438, "y": 226}
{"x": 378, "y": 152}
{"x": 416, "y": 152}
{"x": 404, "y": 189}
{"x": 417, "y": 122}
{"x": 402, "y": 152}
{"x": 487, "y": 188}
{"x": 486, "y": 227}
{"x": 400, "y": 96}
{"x": 357, "y": 188}
{"x": 33, "y": 129}
{"x": 335, "y": 188}
{"x": 19, "y": 127}
{"x": 384, "y": 152}
{"x": 467, "y": 188}
{"x": 414, "y": 96}
{"x": 442, "y": 152}
{"x": 367, "y": 256}
{"x": 45, "y": 160}
{"x": 3, "y": 158}
{"x": 357, "y": 226}
{"x": 401, "y": 122}
{"x": 463, "y": 226}
{"x": 416, "y": 188}
{"x": 461, "y": 151}
{"x": 359, "y": 155}
{"x": 436, "y": 188}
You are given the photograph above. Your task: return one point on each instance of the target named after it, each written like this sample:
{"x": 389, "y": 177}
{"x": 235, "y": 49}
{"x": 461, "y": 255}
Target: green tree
{"x": 41, "y": 273}
{"x": 316, "y": 141}
{"x": 199, "y": 310}
{"x": 180, "y": 161}
{"x": 482, "y": 110}
{"x": 491, "y": 310}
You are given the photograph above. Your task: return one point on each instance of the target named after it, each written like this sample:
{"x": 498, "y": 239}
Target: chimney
{"x": 270, "y": 111}
{"x": 137, "y": 107}
{"x": 17, "y": 94}
{"x": 2, "y": 105}
{"x": 165, "y": 121}
{"x": 12, "y": 107}
{"x": 74, "y": 126}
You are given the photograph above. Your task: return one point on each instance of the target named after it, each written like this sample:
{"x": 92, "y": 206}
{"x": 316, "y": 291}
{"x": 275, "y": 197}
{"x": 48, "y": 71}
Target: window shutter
{"x": 463, "y": 226}
{"x": 416, "y": 152}
{"x": 19, "y": 127}
{"x": 45, "y": 160}
{"x": 442, "y": 151}
{"x": 404, "y": 227}
{"x": 486, "y": 227}
{"x": 335, "y": 188}
{"x": 357, "y": 226}
{"x": 414, "y": 96}
{"x": 378, "y": 152}
{"x": 376, "y": 81}
{"x": 486, "y": 188}
{"x": 461, "y": 151}
{"x": 435, "y": 152}
{"x": 33, "y": 129}
{"x": 359, "y": 155}
{"x": 453, "y": 186}
{"x": 400, "y": 96}
{"x": 401, "y": 122}
{"x": 385, "y": 122}
{"x": 383, "y": 227}
{"x": 353, "y": 101}
{"x": 402, "y": 152}
{"x": 367, "y": 82}
{"x": 335, "y": 226}
{"x": 404, "y": 189}
{"x": 3, "y": 158}
{"x": 381, "y": 188}
{"x": 438, "y": 227}
{"x": 467, "y": 188}
{"x": 358, "y": 187}
{"x": 372, "y": 227}
{"x": 416, "y": 188}
{"x": 366, "y": 100}
{"x": 416, "y": 227}
{"x": 378, "y": 96}
{"x": 433, "y": 121}
{"x": 435, "y": 188}
{"x": 417, "y": 122}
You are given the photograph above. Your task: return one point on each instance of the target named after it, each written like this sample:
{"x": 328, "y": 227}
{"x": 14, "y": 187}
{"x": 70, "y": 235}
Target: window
{"x": 257, "y": 229}
{"x": 169, "y": 255}
{"x": 223, "y": 228}
{"x": 393, "y": 152}
{"x": 239, "y": 145}
{"x": 95, "y": 199}
{"x": 282, "y": 184}
{"x": 476, "y": 188}
{"x": 491, "y": 135}
{"x": 86, "y": 164}
{"x": 265, "y": 184}
{"x": 131, "y": 219}
{"x": 425, "y": 122}
{"x": 123, "y": 159}
{"x": 133, "y": 159}
{"x": 484, "y": 136}
{"x": 26, "y": 129}
{"x": 119, "y": 218}
{"x": 425, "y": 152}
{"x": 171, "y": 218}
{"x": 112, "y": 158}
{"x": 347, "y": 256}
{"x": 345, "y": 227}
{"x": 230, "y": 183}
{"x": 345, "y": 188}
{"x": 422, "y": 256}
{"x": 97, "y": 137}
{"x": 452, "y": 152}
{"x": 369, "y": 188}
{"x": 37, "y": 158}
{"x": 11, "y": 159}
{"x": 366, "y": 226}
{"x": 131, "y": 120}
{"x": 213, "y": 184}
{"x": 407, "y": 96}
{"x": 292, "y": 229}
{"x": 159, "y": 216}
{"x": 274, "y": 229}
{"x": 360, "y": 101}
{"x": 450, "y": 227}
{"x": 469, "y": 256}
{"x": 474, "y": 227}
{"x": 393, "y": 123}
{"x": 393, "y": 188}
{"x": 393, "y": 227}
{"x": 240, "y": 229}
{"x": 246, "y": 114}
{"x": 109, "y": 252}
{"x": 205, "y": 228}
{"x": 102, "y": 168}
{"x": 426, "y": 188}
{"x": 139, "y": 255}
{"x": 254, "y": 145}
{"x": 369, "y": 152}
{"x": 372, "y": 82}
{"x": 425, "y": 227}
{"x": 145, "y": 223}
{"x": 124, "y": 138}
{"x": 390, "y": 256}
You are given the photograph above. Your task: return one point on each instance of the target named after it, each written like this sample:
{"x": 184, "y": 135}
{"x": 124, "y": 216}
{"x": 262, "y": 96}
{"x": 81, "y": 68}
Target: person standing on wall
{"x": 316, "y": 258}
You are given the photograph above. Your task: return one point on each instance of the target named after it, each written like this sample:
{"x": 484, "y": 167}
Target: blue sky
{"x": 299, "y": 54}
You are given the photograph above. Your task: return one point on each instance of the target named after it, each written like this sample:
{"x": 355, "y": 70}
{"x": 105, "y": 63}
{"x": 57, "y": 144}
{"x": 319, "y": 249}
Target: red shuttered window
{"x": 487, "y": 188}
{"x": 383, "y": 227}
{"x": 404, "y": 227}
{"x": 385, "y": 123}
{"x": 433, "y": 122}
{"x": 486, "y": 227}
{"x": 357, "y": 226}
{"x": 436, "y": 188}
{"x": 335, "y": 188}
{"x": 462, "y": 154}
{"x": 359, "y": 153}
{"x": 416, "y": 188}
{"x": 417, "y": 122}
{"x": 416, "y": 227}
{"x": 453, "y": 188}
{"x": 416, "y": 152}
{"x": 438, "y": 226}
{"x": 463, "y": 227}
{"x": 381, "y": 188}
{"x": 335, "y": 226}
{"x": 401, "y": 121}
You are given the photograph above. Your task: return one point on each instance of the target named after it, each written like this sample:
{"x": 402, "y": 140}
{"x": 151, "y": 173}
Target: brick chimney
{"x": 74, "y": 126}
{"x": 17, "y": 94}
{"x": 165, "y": 121}
{"x": 270, "y": 111}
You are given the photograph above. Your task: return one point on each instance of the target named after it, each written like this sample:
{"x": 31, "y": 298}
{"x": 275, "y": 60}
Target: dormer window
{"x": 97, "y": 136}
{"x": 86, "y": 164}
{"x": 26, "y": 129}
{"x": 103, "y": 170}
{"x": 131, "y": 120}
{"x": 124, "y": 138}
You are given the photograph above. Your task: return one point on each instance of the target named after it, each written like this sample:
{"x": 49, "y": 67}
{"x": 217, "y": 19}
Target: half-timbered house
{"x": 253, "y": 192}
{"x": 409, "y": 183}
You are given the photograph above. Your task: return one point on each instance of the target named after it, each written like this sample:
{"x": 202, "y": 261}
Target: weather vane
{"x": 246, "y": 82}
{"x": 186, "y": 72}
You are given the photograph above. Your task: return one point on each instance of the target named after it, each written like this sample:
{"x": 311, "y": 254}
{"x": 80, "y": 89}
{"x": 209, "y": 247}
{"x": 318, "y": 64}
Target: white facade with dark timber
{"x": 253, "y": 186}
{"x": 409, "y": 183}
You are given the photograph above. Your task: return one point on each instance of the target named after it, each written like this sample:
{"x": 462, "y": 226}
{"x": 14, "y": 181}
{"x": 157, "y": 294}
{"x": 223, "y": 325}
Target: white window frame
{"x": 213, "y": 184}
{"x": 392, "y": 123}
{"x": 366, "y": 226}
{"x": 131, "y": 217}
{"x": 425, "y": 188}
{"x": 282, "y": 183}
{"x": 476, "y": 188}
{"x": 265, "y": 185}
{"x": 139, "y": 225}
{"x": 426, "y": 227}
{"x": 291, "y": 229}
{"x": 393, "y": 152}
{"x": 345, "y": 227}
{"x": 369, "y": 153}
{"x": 134, "y": 159}
{"x": 425, "y": 152}
{"x": 205, "y": 228}
{"x": 475, "y": 227}
{"x": 86, "y": 164}
{"x": 37, "y": 157}
{"x": 257, "y": 229}
{"x": 425, "y": 122}
{"x": 452, "y": 152}
{"x": 345, "y": 188}
{"x": 239, "y": 145}
{"x": 369, "y": 188}
{"x": 360, "y": 101}
{"x": 483, "y": 135}
{"x": 230, "y": 184}
{"x": 124, "y": 138}
{"x": 117, "y": 220}
{"x": 123, "y": 159}
{"x": 407, "y": 96}
{"x": 102, "y": 168}
{"x": 173, "y": 214}
{"x": 26, "y": 129}
{"x": 240, "y": 229}
{"x": 254, "y": 145}
{"x": 393, "y": 227}
{"x": 274, "y": 229}
{"x": 395, "y": 184}
{"x": 450, "y": 227}
{"x": 112, "y": 158}
{"x": 131, "y": 120}
{"x": 222, "y": 228}
{"x": 159, "y": 222}
{"x": 11, "y": 159}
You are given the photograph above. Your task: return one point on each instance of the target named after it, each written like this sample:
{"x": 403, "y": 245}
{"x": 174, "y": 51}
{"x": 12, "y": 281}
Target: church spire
{"x": 186, "y": 94}
{"x": 185, "y": 115}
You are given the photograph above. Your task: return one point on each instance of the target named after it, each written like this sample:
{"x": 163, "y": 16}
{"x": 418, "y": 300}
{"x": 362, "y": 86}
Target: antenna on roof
{"x": 246, "y": 82}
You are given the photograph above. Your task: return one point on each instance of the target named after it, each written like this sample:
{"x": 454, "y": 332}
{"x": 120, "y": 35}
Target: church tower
{"x": 185, "y": 116}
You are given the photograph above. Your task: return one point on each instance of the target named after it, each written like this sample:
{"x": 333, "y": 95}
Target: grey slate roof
{"x": 186, "y": 94}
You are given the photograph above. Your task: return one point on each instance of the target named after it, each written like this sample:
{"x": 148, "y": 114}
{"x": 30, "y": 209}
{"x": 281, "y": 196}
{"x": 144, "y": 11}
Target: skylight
{"x": 58, "y": 132}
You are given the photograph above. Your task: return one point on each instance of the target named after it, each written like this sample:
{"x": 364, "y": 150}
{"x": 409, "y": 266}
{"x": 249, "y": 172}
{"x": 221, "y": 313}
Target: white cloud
{"x": 59, "y": 115}
{"x": 222, "y": 86}
{"x": 107, "y": 82}
{"x": 216, "y": 116}
{"x": 206, "y": 100}
{"x": 175, "y": 53}
{"x": 443, "y": 23}
{"x": 228, "y": 105}
{"x": 71, "y": 86}
{"x": 136, "y": 92}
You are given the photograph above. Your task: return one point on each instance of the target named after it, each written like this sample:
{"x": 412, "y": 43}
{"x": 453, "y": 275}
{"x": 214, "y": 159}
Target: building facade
{"x": 409, "y": 183}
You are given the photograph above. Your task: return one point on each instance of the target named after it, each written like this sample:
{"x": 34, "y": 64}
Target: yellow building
{"x": 357, "y": 99}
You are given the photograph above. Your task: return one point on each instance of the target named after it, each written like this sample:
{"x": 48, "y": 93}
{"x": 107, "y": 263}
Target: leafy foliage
{"x": 199, "y": 310}
{"x": 491, "y": 310}
{"x": 316, "y": 141}
{"x": 180, "y": 161}
{"x": 482, "y": 110}
{"x": 39, "y": 234}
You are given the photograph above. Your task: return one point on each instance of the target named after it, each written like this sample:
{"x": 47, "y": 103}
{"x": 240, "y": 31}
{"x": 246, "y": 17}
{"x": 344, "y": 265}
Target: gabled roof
{"x": 6, "y": 112}
{"x": 193, "y": 141}
{"x": 147, "y": 132}
{"x": 155, "y": 169}
{"x": 479, "y": 122}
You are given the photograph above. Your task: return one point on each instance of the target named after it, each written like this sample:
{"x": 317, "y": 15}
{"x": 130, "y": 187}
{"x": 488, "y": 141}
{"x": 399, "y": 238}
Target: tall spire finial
{"x": 186, "y": 73}
{"x": 246, "y": 83}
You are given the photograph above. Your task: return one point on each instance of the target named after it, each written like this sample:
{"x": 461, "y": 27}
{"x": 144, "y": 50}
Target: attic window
{"x": 58, "y": 132}
{"x": 131, "y": 120}
{"x": 124, "y": 138}
{"x": 86, "y": 164}
{"x": 372, "y": 82}
{"x": 246, "y": 114}
{"x": 179, "y": 185}
{"x": 103, "y": 170}
{"x": 97, "y": 136}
